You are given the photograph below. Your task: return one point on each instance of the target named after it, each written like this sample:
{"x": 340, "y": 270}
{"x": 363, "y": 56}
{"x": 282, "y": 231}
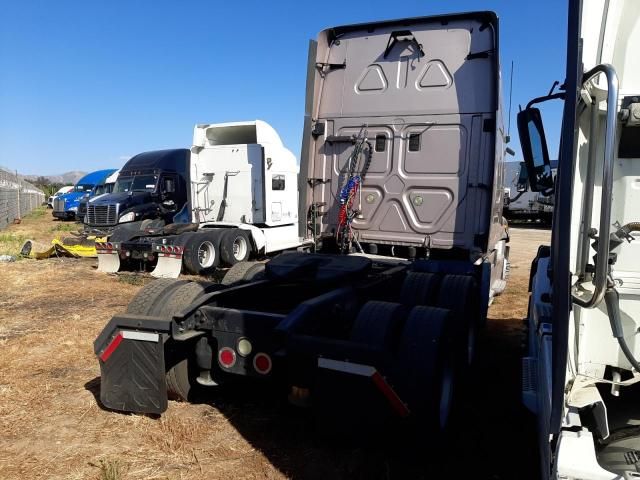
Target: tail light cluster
{"x": 227, "y": 357}
{"x": 169, "y": 249}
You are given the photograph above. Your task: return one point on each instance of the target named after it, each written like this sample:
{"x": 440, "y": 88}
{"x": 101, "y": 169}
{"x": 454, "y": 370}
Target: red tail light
{"x": 262, "y": 363}
{"x": 227, "y": 357}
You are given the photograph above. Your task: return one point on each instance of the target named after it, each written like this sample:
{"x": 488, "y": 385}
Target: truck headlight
{"x": 127, "y": 217}
{"x": 73, "y": 209}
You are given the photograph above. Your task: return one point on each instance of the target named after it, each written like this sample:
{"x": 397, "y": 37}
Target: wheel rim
{"x": 240, "y": 248}
{"x": 446, "y": 393}
{"x": 206, "y": 254}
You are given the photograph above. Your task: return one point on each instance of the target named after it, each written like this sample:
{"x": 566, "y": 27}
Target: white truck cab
{"x": 242, "y": 204}
{"x": 581, "y": 374}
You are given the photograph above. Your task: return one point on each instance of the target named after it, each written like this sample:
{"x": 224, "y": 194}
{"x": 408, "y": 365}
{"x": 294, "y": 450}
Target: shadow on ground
{"x": 493, "y": 437}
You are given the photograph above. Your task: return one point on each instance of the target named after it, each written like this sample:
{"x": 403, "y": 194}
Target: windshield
{"x": 86, "y": 187}
{"x": 137, "y": 183}
{"x": 100, "y": 189}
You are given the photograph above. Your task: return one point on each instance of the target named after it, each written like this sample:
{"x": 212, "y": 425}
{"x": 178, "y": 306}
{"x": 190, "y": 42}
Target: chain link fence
{"x": 17, "y": 198}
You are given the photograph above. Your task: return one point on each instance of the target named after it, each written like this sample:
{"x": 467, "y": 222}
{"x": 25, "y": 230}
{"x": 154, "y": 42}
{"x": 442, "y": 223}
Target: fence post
{"x": 18, "y": 193}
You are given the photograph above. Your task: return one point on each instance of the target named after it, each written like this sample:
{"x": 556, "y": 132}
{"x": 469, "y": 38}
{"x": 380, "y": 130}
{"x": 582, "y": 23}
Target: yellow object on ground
{"x": 67, "y": 247}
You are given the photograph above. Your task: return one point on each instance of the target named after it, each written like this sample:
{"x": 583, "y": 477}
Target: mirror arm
{"x": 602, "y": 267}
{"x": 560, "y": 95}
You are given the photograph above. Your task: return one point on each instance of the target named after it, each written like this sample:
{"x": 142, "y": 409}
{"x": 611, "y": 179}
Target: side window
{"x": 414, "y": 142}
{"x": 277, "y": 182}
{"x": 169, "y": 185}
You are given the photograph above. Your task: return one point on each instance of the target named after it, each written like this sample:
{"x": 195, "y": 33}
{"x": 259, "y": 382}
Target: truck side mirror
{"x": 534, "y": 150}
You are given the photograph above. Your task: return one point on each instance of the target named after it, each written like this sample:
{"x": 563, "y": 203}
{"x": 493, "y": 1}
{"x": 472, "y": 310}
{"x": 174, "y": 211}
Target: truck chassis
{"x": 396, "y": 330}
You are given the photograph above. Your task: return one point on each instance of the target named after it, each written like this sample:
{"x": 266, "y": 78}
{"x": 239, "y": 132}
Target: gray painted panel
{"x": 438, "y": 191}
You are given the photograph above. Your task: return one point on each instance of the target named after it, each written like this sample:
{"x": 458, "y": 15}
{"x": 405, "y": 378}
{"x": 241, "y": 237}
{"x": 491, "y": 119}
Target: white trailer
{"x": 243, "y": 203}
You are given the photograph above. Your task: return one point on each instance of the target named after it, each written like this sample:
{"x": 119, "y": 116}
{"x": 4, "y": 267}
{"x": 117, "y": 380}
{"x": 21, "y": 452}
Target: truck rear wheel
{"x": 458, "y": 293}
{"x": 419, "y": 289}
{"x": 235, "y": 246}
{"x": 426, "y": 367}
{"x": 151, "y": 299}
{"x": 201, "y": 253}
{"x": 243, "y": 272}
{"x": 181, "y": 359}
{"x": 378, "y": 323}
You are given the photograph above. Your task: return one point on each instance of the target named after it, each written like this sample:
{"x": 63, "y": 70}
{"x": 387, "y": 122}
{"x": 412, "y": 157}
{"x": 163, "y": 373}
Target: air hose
{"x": 624, "y": 232}
{"x": 612, "y": 301}
{"x": 612, "y": 298}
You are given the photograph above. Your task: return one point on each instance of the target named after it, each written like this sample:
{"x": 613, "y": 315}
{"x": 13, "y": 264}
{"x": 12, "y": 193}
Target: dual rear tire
{"x": 206, "y": 250}
{"x": 429, "y": 340}
{"x": 419, "y": 356}
{"x": 167, "y": 297}
{"x": 458, "y": 293}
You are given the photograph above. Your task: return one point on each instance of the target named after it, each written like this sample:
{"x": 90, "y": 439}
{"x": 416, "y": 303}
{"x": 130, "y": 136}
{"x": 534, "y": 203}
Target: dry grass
{"x": 37, "y": 225}
{"x": 132, "y": 279}
{"x": 51, "y": 426}
{"x": 10, "y": 244}
{"x": 65, "y": 227}
{"x": 111, "y": 470}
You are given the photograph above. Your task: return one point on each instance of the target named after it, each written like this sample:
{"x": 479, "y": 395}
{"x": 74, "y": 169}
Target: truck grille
{"x": 100, "y": 215}
{"x": 58, "y": 205}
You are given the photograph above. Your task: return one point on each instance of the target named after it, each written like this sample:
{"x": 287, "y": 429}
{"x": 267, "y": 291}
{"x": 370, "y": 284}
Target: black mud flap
{"x": 132, "y": 372}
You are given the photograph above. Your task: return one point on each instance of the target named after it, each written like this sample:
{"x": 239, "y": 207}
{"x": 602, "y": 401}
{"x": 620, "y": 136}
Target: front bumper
{"x": 63, "y": 215}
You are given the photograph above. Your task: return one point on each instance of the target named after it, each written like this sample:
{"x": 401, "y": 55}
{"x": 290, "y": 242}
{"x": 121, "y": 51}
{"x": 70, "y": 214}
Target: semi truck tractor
{"x": 98, "y": 191}
{"x": 61, "y": 191}
{"x": 401, "y": 196}
{"x": 151, "y": 187}
{"x": 521, "y": 204}
{"x": 581, "y": 373}
{"x": 65, "y": 206}
{"x": 242, "y": 204}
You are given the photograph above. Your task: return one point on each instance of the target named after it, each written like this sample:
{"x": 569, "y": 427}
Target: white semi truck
{"x": 581, "y": 375}
{"x": 401, "y": 198}
{"x": 241, "y": 204}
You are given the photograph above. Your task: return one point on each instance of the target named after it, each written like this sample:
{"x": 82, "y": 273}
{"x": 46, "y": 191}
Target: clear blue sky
{"x": 84, "y": 84}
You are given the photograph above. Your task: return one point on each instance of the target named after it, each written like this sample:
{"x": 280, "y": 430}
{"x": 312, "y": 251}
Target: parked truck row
{"x": 358, "y": 281}
{"x": 66, "y": 205}
{"x": 393, "y": 253}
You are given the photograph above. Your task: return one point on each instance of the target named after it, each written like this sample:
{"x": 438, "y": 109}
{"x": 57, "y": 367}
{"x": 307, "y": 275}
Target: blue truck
{"x": 65, "y": 207}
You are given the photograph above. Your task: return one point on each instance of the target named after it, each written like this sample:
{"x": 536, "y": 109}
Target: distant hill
{"x": 64, "y": 178}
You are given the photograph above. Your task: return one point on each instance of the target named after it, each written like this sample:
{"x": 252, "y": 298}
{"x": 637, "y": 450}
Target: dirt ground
{"x": 52, "y": 427}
